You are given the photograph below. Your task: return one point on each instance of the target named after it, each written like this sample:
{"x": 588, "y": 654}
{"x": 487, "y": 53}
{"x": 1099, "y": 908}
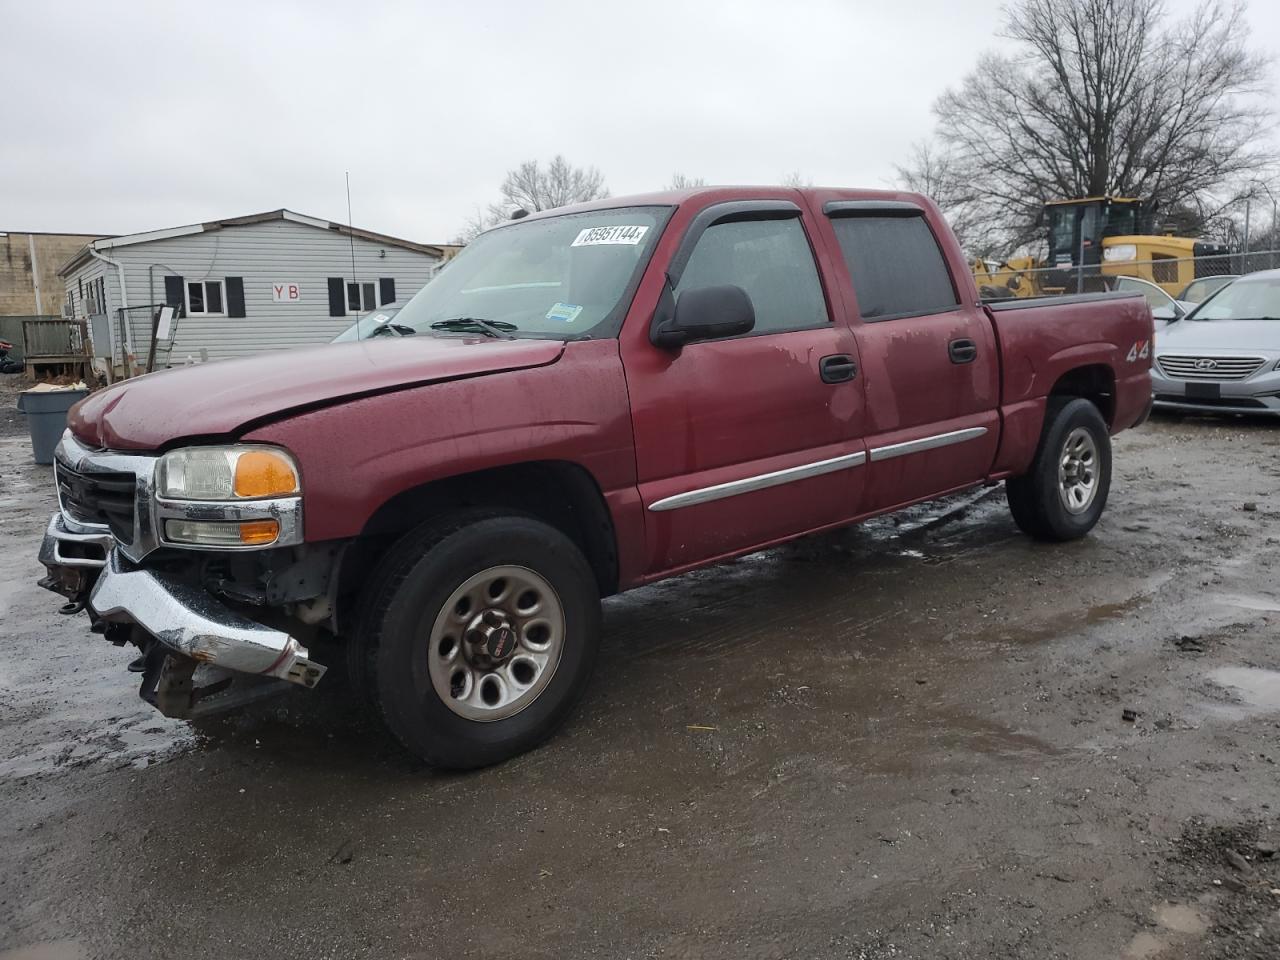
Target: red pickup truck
{"x": 585, "y": 400}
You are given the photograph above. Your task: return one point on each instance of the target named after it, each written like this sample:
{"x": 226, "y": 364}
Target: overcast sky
{"x": 124, "y": 116}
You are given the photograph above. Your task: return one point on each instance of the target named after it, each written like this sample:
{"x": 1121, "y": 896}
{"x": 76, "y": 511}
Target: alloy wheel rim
{"x": 496, "y": 643}
{"x": 1078, "y": 471}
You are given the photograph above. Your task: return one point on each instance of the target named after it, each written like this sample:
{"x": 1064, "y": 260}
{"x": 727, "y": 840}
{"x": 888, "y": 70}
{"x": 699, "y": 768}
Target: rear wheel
{"x": 1064, "y": 493}
{"x": 479, "y": 635}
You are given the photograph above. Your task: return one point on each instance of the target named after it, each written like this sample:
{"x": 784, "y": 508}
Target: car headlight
{"x": 1120, "y": 252}
{"x": 240, "y": 472}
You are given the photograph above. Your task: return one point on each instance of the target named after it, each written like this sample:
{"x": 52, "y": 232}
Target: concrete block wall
{"x": 29, "y": 263}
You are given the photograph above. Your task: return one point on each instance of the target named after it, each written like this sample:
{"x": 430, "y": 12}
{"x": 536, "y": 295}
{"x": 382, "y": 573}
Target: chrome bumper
{"x": 188, "y": 620}
{"x": 185, "y": 619}
{"x": 64, "y": 547}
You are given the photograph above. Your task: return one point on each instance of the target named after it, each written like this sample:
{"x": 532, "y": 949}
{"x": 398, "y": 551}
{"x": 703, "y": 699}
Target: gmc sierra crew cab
{"x": 585, "y": 400}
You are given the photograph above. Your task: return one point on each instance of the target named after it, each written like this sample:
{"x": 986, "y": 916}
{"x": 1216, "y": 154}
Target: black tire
{"x": 406, "y": 593}
{"x": 1035, "y": 499}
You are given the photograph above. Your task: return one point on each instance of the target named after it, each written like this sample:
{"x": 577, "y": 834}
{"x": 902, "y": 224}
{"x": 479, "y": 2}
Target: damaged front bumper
{"x": 189, "y": 621}
{"x": 184, "y": 626}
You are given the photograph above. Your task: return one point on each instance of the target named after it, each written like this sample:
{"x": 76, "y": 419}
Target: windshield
{"x": 1243, "y": 300}
{"x": 1199, "y": 290}
{"x": 555, "y": 277}
{"x": 1061, "y": 229}
{"x": 1154, "y": 296}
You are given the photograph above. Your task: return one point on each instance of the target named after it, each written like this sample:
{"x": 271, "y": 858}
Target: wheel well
{"x": 561, "y": 494}
{"x": 1096, "y": 383}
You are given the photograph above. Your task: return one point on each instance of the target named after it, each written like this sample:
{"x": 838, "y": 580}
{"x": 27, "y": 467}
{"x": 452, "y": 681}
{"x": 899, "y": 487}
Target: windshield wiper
{"x": 490, "y": 328}
{"x": 393, "y": 330}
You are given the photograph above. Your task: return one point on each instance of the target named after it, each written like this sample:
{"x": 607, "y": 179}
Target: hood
{"x": 1214, "y": 337}
{"x": 218, "y": 398}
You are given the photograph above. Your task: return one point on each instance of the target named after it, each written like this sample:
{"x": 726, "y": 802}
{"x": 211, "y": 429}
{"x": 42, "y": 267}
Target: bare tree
{"x": 795, "y": 179}
{"x": 934, "y": 172}
{"x": 1101, "y": 97}
{"x": 533, "y": 187}
{"x": 680, "y": 182}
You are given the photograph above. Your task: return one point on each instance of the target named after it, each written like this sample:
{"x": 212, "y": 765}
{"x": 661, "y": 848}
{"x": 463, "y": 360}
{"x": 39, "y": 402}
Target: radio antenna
{"x": 352, "y": 237}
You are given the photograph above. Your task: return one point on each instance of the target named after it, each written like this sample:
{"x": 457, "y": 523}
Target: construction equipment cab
{"x": 1099, "y": 237}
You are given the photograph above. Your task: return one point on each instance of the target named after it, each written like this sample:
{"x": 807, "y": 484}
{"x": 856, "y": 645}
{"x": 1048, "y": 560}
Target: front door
{"x": 744, "y": 440}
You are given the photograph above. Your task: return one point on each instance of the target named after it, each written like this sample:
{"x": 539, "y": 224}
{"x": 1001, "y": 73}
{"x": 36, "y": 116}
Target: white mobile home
{"x": 240, "y": 286}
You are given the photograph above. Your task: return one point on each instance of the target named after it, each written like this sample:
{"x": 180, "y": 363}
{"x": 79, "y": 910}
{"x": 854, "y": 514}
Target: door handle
{"x": 837, "y": 368}
{"x": 962, "y": 351}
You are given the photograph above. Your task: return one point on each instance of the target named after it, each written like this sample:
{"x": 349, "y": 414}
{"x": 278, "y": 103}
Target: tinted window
{"x": 771, "y": 260}
{"x": 896, "y": 266}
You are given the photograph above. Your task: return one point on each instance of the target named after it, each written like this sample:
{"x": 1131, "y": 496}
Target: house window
{"x": 205, "y": 297}
{"x": 361, "y": 297}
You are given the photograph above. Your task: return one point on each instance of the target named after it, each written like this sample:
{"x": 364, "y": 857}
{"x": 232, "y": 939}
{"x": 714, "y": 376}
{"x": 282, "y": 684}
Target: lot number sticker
{"x": 594, "y": 236}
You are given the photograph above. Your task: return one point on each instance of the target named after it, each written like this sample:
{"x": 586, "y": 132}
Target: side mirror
{"x": 706, "y": 313}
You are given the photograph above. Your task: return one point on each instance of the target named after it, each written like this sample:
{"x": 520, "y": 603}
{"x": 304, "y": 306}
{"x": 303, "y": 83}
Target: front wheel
{"x": 479, "y": 636}
{"x": 1064, "y": 493}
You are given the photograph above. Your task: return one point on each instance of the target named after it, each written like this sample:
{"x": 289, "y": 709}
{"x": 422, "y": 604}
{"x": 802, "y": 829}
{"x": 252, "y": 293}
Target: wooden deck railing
{"x": 54, "y": 341}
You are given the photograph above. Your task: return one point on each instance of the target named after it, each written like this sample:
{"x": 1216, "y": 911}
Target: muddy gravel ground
{"x": 925, "y": 737}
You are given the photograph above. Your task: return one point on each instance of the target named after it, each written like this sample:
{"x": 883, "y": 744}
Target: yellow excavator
{"x": 1093, "y": 239}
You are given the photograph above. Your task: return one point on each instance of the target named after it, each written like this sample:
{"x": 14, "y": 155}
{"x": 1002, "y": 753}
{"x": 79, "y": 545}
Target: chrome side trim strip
{"x": 760, "y": 482}
{"x": 926, "y": 443}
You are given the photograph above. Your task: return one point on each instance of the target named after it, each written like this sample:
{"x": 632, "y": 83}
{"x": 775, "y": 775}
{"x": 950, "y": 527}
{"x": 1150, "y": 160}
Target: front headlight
{"x": 240, "y": 472}
{"x": 1120, "y": 252}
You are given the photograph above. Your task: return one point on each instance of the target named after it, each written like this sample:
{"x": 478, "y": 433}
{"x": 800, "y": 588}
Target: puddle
{"x": 1258, "y": 690}
{"x": 1264, "y": 604}
{"x": 1181, "y": 918}
{"x": 1143, "y": 946}
{"x": 61, "y": 950}
{"x": 138, "y": 742}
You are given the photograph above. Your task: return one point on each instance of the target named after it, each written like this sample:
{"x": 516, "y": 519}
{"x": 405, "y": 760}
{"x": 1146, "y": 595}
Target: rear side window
{"x": 771, "y": 260}
{"x": 895, "y": 265}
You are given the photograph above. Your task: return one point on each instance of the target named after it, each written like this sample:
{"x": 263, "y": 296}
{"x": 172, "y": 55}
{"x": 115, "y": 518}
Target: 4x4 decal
{"x": 1139, "y": 351}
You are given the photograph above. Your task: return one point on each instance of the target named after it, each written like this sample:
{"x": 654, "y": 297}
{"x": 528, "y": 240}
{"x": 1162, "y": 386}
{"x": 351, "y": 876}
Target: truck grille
{"x": 101, "y": 498}
{"x": 1209, "y": 368}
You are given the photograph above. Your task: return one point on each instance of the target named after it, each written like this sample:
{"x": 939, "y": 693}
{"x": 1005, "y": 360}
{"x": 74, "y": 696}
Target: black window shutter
{"x": 337, "y": 297}
{"x": 386, "y": 290}
{"x": 235, "y": 296}
{"x": 173, "y": 292}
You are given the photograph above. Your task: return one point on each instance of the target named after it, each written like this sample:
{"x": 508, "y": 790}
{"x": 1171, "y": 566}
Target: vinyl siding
{"x": 276, "y": 251}
{"x": 85, "y": 275}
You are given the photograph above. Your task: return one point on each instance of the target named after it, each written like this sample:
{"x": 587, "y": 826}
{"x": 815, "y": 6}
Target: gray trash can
{"x": 46, "y": 412}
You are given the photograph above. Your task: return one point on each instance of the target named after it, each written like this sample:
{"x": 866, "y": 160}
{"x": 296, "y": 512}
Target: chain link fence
{"x": 1182, "y": 278}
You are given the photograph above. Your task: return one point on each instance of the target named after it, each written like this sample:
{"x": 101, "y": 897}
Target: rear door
{"x": 929, "y": 360}
{"x": 744, "y": 440}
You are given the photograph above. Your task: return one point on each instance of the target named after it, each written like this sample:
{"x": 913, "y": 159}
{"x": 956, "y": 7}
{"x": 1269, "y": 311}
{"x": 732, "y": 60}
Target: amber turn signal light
{"x": 259, "y": 531}
{"x": 264, "y": 473}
